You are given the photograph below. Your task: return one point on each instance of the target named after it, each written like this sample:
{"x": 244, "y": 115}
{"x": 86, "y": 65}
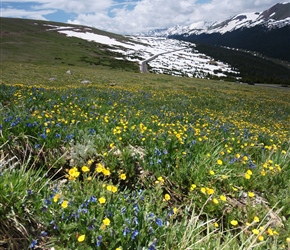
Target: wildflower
{"x": 175, "y": 210}
{"x": 192, "y": 187}
{"x": 99, "y": 168}
{"x": 73, "y": 173}
{"x": 219, "y": 162}
{"x": 203, "y": 190}
{"x": 134, "y": 234}
{"x": 99, "y": 240}
{"x": 261, "y": 238}
{"x": 256, "y": 219}
{"x": 85, "y": 169}
{"x": 126, "y": 231}
{"x": 102, "y": 200}
{"x": 251, "y": 194}
{"x": 167, "y": 197}
{"x": 81, "y": 238}
{"x": 160, "y": 179}
{"x": 64, "y": 204}
{"x": 249, "y": 172}
{"x": 114, "y": 189}
{"x": 106, "y": 172}
{"x": 234, "y": 222}
{"x": 33, "y": 244}
{"x": 123, "y": 177}
{"x": 216, "y": 224}
{"x": 158, "y": 222}
{"x": 223, "y": 198}
{"x": 56, "y": 197}
{"x": 118, "y": 248}
{"x": 211, "y": 172}
{"x": 270, "y": 231}
{"x": 90, "y": 162}
{"x": 288, "y": 240}
{"x": 106, "y": 222}
{"x": 209, "y": 191}
{"x": 215, "y": 201}
{"x": 255, "y": 231}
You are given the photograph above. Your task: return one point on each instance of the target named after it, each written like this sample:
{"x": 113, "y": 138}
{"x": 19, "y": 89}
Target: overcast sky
{"x": 131, "y": 16}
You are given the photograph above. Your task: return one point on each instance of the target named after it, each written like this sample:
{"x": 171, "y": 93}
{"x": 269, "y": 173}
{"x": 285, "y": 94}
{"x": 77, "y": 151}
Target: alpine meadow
{"x": 96, "y": 155}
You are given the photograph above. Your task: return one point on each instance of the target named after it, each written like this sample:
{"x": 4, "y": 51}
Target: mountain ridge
{"x": 277, "y": 16}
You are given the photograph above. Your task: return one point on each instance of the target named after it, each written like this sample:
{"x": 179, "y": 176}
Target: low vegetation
{"x": 140, "y": 161}
{"x": 95, "y": 155}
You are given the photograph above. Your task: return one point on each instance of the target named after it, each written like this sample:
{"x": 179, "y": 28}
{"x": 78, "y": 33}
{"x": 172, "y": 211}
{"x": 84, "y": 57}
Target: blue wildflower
{"x": 126, "y": 231}
{"x": 134, "y": 234}
{"x": 99, "y": 240}
{"x": 93, "y": 199}
{"x": 29, "y": 192}
{"x": 158, "y": 222}
{"x": 153, "y": 245}
{"x": 33, "y": 244}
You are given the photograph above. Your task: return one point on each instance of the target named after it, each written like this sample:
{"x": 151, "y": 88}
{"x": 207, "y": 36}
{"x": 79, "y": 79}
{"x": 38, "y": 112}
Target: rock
{"x": 52, "y": 79}
{"x": 69, "y": 72}
{"x": 86, "y": 82}
{"x": 112, "y": 84}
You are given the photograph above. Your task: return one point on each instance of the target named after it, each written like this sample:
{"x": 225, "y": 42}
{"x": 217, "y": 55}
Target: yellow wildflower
{"x": 85, "y": 169}
{"x": 167, "y": 197}
{"x": 234, "y": 222}
{"x": 102, "y": 200}
{"x": 192, "y": 187}
{"x": 123, "y": 177}
{"x": 56, "y": 197}
{"x": 215, "y": 201}
{"x": 81, "y": 238}
{"x": 64, "y": 204}
{"x": 106, "y": 221}
{"x": 256, "y": 219}
{"x": 251, "y": 194}
{"x": 223, "y": 198}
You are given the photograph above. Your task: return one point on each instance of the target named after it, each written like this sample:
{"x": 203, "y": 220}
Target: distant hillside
{"x": 253, "y": 69}
{"x": 31, "y": 41}
{"x": 273, "y": 43}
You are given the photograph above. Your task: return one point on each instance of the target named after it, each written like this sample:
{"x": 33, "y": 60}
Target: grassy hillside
{"x": 139, "y": 161}
{"x": 28, "y": 41}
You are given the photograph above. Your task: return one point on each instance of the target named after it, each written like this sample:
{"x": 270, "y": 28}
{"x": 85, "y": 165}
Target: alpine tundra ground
{"x": 95, "y": 158}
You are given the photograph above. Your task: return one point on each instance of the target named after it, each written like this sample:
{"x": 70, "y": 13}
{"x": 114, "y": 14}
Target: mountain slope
{"x": 39, "y": 42}
{"x": 267, "y": 32}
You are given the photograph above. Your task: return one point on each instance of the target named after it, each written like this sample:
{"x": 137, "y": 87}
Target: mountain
{"x": 267, "y": 32}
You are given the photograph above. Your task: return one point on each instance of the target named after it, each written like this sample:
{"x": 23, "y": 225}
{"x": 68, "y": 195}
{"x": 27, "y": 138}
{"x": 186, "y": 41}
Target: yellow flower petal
{"x": 81, "y": 238}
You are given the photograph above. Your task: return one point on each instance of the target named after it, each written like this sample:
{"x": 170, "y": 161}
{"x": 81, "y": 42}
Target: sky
{"x": 131, "y": 16}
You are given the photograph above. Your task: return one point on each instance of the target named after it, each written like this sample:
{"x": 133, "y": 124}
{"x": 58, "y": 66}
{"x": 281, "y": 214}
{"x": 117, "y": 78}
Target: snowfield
{"x": 171, "y": 56}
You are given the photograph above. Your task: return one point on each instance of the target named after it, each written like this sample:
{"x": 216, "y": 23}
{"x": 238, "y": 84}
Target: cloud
{"x": 20, "y": 13}
{"x": 121, "y": 16}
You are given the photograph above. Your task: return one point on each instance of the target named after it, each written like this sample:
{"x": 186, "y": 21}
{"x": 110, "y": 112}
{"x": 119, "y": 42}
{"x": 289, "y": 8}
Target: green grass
{"x": 25, "y": 42}
{"x": 140, "y": 161}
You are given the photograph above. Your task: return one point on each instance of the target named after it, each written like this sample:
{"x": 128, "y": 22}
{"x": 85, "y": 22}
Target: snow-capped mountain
{"x": 277, "y": 16}
{"x": 266, "y": 33}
